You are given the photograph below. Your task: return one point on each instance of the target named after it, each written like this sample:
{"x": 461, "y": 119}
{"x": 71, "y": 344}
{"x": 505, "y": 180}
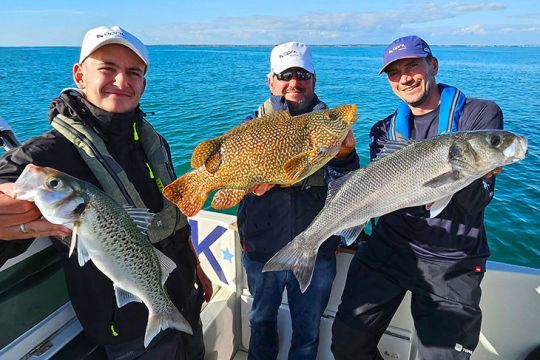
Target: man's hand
{"x": 22, "y": 220}
{"x": 347, "y": 146}
{"x": 205, "y": 283}
{"x": 493, "y": 172}
{"x": 260, "y": 189}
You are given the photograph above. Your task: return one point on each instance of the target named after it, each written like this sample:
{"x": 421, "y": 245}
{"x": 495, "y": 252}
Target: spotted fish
{"x": 107, "y": 234}
{"x": 276, "y": 148}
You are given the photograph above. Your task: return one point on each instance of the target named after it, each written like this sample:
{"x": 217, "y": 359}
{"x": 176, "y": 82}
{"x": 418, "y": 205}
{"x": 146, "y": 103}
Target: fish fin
{"x": 124, "y": 297}
{"x": 227, "y": 198}
{"x": 82, "y": 253}
{"x": 335, "y": 185}
{"x": 391, "y": 146}
{"x": 291, "y": 257}
{"x": 167, "y": 265}
{"x": 174, "y": 319}
{"x": 438, "y": 206}
{"x": 298, "y": 167}
{"x": 444, "y": 179}
{"x": 189, "y": 192}
{"x": 207, "y": 154}
{"x": 73, "y": 238}
{"x": 351, "y": 234}
{"x": 141, "y": 217}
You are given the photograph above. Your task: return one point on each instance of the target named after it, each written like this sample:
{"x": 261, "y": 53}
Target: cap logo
{"x": 397, "y": 48}
{"x": 426, "y": 49}
{"x": 289, "y": 53}
{"x": 110, "y": 33}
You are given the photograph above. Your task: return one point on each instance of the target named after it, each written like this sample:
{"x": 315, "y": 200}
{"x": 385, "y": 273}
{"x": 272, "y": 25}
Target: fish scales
{"x": 106, "y": 234}
{"x": 276, "y": 149}
{"x": 424, "y": 172}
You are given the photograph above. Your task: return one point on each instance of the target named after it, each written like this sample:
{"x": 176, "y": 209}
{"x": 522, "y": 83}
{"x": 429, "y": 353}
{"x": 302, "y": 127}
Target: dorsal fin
{"x": 336, "y": 184}
{"x": 141, "y": 217}
{"x": 391, "y": 146}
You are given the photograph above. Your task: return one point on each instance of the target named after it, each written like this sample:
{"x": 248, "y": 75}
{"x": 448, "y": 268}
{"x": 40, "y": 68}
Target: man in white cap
{"x": 100, "y": 135}
{"x": 273, "y": 216}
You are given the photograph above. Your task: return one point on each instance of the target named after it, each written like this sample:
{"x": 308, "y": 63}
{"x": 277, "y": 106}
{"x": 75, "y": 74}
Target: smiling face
{"x": 413, "y": 81}
{"x": 112, "y": 78}
{"x": 298, "y": 93}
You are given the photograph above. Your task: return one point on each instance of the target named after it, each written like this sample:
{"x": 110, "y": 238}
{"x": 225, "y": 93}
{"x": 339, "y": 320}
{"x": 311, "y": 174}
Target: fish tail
{"x": 189, "y": 192}
{"x": 172, "y": 319}
{"x": 293, "y": 257}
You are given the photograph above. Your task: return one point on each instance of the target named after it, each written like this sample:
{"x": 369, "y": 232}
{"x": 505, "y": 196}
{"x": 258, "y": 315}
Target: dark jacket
{"x": 90, "y": 291}
{"x": 267, "y": 223}
{"x": 458, "y": 232}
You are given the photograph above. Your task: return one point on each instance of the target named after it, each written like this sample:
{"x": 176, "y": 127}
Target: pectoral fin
{"x": 227, "y": 198}
{"x": 208, "y": 154}
{"x": 124, "y": 297}
{"x": 438, "y": 206}
{"x": 82, "y": 253}
{"x": 73, "y": 238}
{"x": 444, "y": 179}
{"x": 298, "y": 167}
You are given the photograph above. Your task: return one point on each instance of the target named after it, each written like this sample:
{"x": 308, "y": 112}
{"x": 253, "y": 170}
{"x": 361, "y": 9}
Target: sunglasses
{"x": 287, "y": 75}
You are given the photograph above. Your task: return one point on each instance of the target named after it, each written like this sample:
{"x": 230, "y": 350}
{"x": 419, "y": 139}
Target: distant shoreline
{"x": 270, "y": 45}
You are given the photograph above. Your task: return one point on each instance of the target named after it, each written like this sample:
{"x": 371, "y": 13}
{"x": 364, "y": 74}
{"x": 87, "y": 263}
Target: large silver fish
{"x": 112, "y": 237}
{"x": 413, "y": 174}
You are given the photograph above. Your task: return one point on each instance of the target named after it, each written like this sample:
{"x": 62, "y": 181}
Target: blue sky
{"x": 63, "y": 23}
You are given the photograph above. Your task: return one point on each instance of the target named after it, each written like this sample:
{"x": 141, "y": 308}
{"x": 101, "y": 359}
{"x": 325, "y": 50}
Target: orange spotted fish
{"x": 276, "y": 148}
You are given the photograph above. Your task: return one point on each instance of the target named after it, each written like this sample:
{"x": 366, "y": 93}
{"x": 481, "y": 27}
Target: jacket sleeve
{"x": 475, "y": 197}
{"x": 11, "y": 166}
{"x": 378, "y": 136}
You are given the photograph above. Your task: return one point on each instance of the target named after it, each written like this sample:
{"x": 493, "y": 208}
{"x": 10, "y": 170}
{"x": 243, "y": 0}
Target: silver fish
{"x": 406, "y": 175}
{"x": 112, "y": 237}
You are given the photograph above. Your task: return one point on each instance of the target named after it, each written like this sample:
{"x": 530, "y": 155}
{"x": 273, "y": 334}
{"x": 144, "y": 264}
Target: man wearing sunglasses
{"x": 272, "y": 216}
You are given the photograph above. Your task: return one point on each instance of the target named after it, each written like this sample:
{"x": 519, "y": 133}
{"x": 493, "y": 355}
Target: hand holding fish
{"x": 493, "y": 172}
{"x": 21, "y": 219}
{"x": 347, "y": 146}
{"x": 261, "y": 189}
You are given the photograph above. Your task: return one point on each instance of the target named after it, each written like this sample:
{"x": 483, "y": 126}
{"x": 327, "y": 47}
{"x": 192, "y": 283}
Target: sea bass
{"x": 112, "y": 237}
{"x": 276, "y": 148}
{"x": 405, "y": 175}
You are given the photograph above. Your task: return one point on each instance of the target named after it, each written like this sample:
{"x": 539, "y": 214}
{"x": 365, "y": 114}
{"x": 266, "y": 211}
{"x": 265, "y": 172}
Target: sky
{"x": 243, "y": 22}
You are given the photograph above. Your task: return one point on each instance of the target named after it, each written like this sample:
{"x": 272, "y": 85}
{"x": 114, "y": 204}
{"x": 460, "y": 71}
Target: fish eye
{"x": 53, "y": 182}
{"x": 495, "y": 140}
{"x": 330, "y": 116}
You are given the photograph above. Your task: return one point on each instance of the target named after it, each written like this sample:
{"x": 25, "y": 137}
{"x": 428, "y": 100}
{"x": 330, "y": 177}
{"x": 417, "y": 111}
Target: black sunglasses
{"x": 287, "y": 75}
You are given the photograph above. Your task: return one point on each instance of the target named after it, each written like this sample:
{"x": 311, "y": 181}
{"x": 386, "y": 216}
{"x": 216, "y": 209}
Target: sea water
{"x": 195, "y": 93}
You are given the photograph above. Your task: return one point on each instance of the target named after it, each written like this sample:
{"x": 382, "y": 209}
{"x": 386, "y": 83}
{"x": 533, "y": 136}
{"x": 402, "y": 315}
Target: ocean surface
{"x": 195, "y": 93}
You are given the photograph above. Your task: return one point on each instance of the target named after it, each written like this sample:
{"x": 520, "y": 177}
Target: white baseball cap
{"x": 289, "y": 55}
{"x": 105, "y": 35}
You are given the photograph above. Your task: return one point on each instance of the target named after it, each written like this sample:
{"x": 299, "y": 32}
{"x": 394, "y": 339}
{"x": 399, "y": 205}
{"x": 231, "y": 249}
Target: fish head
{"x": 479, "y": 152}
{"x": 337, "y": 121}
{"x": 343, "y": 114}
{"x": 60, "y": 197}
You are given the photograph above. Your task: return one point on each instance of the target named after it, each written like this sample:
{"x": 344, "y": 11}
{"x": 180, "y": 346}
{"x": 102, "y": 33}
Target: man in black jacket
{"x": 441, "y": 260}
{"x": 100, "y": 136}
{"x": 274, "y": 215}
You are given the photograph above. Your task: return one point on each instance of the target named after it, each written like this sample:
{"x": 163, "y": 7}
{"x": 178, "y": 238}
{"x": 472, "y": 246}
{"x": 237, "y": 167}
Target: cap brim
{"x": 120, "y": 41}
{"x": 283, "y": 67}
{"x": 401, "y": 58}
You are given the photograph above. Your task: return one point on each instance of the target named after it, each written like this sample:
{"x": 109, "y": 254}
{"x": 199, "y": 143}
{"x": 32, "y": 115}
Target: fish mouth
{"x": 350, "y": 115}
{"x": 27, "y": 182}
{"x": 517, "y": 150}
